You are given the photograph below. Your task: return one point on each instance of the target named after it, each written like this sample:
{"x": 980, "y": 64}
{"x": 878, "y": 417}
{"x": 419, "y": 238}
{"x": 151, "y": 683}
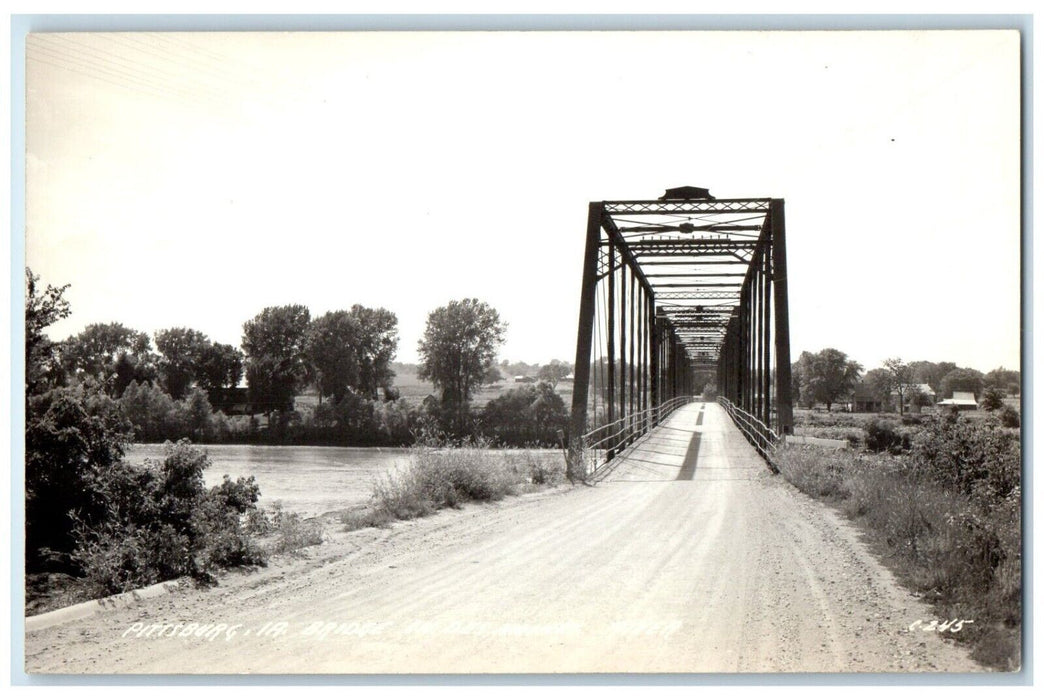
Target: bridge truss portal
{"x": 678, "y": 293}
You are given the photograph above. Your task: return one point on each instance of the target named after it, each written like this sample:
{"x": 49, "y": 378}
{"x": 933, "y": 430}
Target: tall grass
{"x": 962, "y": 552}
{"x": 284, "y": 531}
{"x": 447, "y": 477}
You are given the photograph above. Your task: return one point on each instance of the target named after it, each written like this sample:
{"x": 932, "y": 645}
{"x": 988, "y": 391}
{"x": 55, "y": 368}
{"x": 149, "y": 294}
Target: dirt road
{"x": 690, "y": 557}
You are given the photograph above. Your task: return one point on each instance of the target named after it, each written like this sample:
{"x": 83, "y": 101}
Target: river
{"x": 309, "y": 480}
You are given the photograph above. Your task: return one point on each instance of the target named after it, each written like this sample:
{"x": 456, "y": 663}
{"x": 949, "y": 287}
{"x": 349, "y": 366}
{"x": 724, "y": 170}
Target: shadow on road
{"x": 688, "y": 470}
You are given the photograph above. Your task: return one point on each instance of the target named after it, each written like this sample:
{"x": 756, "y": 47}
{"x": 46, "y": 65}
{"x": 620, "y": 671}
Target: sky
{"x": 194, "y": 179}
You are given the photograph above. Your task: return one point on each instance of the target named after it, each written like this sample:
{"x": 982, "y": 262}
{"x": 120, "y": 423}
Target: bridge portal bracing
{"x": 678, "y": 293}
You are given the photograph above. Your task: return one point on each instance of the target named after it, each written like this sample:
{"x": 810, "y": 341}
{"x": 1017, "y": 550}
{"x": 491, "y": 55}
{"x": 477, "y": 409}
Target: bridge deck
{"x": 698, "y": 442}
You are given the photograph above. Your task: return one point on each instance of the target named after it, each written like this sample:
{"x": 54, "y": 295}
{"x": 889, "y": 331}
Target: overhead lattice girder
{"x": 687, "y": 206}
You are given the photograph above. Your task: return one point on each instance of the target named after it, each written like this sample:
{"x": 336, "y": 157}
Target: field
{"x": 416, "y": 390}
{"x": 838, "y": 425}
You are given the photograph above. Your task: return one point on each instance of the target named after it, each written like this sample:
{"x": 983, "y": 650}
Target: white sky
{"x": 191, "y": 180}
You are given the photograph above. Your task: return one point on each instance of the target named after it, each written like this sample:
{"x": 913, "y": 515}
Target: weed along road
{"x": 689, "y": 557}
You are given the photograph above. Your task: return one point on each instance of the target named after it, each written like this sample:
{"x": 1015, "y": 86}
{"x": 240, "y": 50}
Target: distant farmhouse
{"x": 961, "y": 400}
{"x": 523, "y": 379}
{"x": 864, "y": 401}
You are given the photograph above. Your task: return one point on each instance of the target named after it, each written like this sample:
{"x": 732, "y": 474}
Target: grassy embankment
{"x": 448, "y": 477}
{"x": 944, "y": 516}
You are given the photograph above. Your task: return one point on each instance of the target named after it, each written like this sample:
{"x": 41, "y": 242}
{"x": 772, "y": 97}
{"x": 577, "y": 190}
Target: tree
{"x": 181, "y": 350}
{"x": 492, "y": 376}
{"x": 901, "y": 377}
{"x": 352, "y": 350}
{"x": 796, "y": 396}
{"x": 198, "y": 414}
{"x": 274, "y": 343}
{"x": 528, "y": 415}
{"x": 554, "y": 372}
{"x": 827, "y": 375}
{"x": 152, "y": 412}
{"x": 930, "y": 373}
{"x": 459, "y": 346}
{"x": 962, "y": 379}
{"x": 219, "y": 366}
{"x": 878, "y": 383}
{"x": 42, "y": 308}
{"x": 71, "y": 434}
{"x": 112, "y": 354}
{"x": 992, "y": 398}
{"x": 1007, "y": 380}
{"x": 374, "y": 348}
{"x": 918, "y": 398}
{"x": 333, "y": 366}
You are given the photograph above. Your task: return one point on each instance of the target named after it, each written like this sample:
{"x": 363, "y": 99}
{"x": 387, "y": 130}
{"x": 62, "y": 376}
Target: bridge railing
{"x": 600, "y": 446}
{"x": 763, "y": 438}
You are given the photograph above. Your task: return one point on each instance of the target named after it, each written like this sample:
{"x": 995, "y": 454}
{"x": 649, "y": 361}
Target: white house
{"x": 963, "y": 400}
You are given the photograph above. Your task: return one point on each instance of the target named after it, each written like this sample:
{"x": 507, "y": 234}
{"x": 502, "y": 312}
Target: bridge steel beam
{"x": 756, "y": 348}
{"x": 717, "y": 313}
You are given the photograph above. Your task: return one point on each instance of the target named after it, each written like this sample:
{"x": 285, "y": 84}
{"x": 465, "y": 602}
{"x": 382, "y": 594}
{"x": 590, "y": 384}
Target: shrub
{"x": 528, "y": 415}
{"x": 1010, "y": 418}
{"x": 293, "y": 532}
{"x": 544, "y": 472}
{"x": 161, "y": 522}
{"x": 992, "y": 399}
{"x": 73, "y": 435}
{"x": 884, "y": 436}
{"x": 951, "y": 529}
{"x": 396, "y": 421}
{"x": 978, "y": 459}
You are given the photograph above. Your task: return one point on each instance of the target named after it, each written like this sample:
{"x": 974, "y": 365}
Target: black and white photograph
{"x": 522, "y": 352}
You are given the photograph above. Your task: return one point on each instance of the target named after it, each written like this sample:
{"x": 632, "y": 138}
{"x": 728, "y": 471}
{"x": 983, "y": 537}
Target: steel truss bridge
{"x": 678, "y": 293}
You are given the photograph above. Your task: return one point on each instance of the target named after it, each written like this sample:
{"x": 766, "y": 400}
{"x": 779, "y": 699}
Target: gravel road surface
{"x": 689, "y": 557}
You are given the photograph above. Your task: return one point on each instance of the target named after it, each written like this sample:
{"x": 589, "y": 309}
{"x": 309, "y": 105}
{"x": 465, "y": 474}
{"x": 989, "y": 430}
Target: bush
{"x": 528, "y": 415}
{"x": 292, "y": 532}
{"x": 1010, "y": 418}
{"x": 951, "y": 528}
{"x": 979, "y": 459}
{"x": 160, "y": 522}
{"x": 992, "y": 399}
{"x": 884, "y": 436}
{"x": 544, "y": 472}
{"x": 73, "y": 436}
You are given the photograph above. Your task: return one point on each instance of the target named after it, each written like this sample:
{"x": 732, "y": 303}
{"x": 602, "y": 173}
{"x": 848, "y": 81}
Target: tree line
{"x": 179, "y": 383}
{"x": 829, "y": 377}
